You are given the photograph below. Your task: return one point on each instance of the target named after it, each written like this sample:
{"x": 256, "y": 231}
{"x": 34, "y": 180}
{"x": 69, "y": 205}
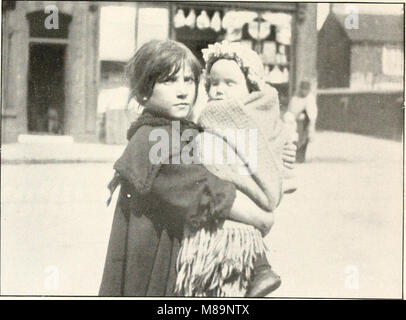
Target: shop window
{"x": 117, "y": 33}
{"x": 197, "y": 36}
{"x": 153, "y": 23}
{"x": 8, "y": 5}
{"x": 392, "y": 61}
{"x": 268, "y": 33}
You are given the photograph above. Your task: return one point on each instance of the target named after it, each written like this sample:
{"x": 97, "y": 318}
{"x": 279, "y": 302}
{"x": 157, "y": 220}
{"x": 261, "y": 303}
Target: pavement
{"x": 26, "y": 153}
{"x": 338, "y": 236}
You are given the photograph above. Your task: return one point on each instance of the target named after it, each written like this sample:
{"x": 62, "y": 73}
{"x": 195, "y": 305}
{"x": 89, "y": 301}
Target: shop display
{"x": 269, "y": 52}
{"x": 246, "y": 43}
{"x": 203, "y": 20}
{"x": 284, "y": 59}
{"x": 266, "y": 32}
{"x": 259, "y": 29}
{"x": 179, "y": 19}
{"x": 283, "y": 34}
{"x": 275, "y": 76}
{"x": 215, "y": 23}
{"x": 191, "y": 19}
{"x": 285, "y": 75}
{"x": 236, "y": 19}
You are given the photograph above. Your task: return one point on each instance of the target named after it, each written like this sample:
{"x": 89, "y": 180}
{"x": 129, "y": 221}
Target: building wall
{"x": 366, "y": 57}
{"x": 306, "y": 45}
{"x": 14, "y": 73}
{"x": 82, "y": 77}
{"x": 374, "y": 113}
{"x": 333, "y": 56}
{"x": 81, "y": 70}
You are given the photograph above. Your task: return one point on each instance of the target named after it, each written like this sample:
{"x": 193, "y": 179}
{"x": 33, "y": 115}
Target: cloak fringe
{"x": 218, "y": 263}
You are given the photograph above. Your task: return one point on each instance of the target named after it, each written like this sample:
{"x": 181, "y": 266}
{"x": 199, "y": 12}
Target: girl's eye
{"x": 230, "y": 83}
{"x": 168, "y": 80}
{"x": 189, "y": 80}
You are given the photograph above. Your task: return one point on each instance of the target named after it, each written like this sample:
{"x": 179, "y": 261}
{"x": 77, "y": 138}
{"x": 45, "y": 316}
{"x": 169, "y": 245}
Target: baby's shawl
{"x": 263, "y": 179}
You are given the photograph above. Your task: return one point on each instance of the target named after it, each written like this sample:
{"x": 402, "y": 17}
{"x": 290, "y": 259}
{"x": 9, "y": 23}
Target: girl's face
{"x": 174, "y": 97}
{"x": 227, "y": 81}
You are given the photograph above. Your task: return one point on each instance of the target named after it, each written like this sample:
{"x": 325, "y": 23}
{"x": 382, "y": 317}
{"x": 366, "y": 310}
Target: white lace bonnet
{"x": 248, "y": 60}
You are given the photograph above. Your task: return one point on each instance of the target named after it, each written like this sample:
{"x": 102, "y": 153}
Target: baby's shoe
{"x": 263, "y": 281}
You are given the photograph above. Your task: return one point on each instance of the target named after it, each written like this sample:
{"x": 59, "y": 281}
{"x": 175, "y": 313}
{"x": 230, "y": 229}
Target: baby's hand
{"x": 264, "y": 222}
{"x": 289, "y": 155}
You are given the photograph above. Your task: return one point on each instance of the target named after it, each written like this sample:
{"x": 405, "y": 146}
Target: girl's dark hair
{"x": 156, "y": 61}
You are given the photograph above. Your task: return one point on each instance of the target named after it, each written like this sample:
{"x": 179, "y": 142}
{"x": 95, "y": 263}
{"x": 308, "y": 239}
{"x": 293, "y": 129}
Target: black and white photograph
{"x": 202, "y": 149}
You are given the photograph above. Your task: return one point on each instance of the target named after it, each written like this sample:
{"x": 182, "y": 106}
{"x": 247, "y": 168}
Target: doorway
{"x": 196, "y": 39}
{"x": 46, "y": 88}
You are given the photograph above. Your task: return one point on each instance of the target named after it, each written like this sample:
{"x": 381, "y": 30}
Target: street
{"x": 339, "y": 235}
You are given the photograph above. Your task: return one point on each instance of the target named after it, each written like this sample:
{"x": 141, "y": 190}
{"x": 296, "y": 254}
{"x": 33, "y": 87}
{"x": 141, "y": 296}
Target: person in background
{"x": 302, "y": 116}
{"x": 54, "y": 125}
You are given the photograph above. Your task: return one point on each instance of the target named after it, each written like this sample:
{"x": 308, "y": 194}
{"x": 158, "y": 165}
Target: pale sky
{"x": 322, "y": 12}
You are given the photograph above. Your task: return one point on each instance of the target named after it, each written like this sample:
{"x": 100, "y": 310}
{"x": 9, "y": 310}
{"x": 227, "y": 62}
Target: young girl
{"x": 233, "y": 72}
{"x": 158, "y": 200}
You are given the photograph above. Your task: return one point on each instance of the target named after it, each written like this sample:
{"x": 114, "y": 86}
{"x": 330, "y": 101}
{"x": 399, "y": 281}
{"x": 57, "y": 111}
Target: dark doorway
{"x": 46, "y": 88}
{"x": 196, "y": 39}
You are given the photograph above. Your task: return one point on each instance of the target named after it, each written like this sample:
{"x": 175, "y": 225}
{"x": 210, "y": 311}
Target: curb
{"x": 52, "y": 161}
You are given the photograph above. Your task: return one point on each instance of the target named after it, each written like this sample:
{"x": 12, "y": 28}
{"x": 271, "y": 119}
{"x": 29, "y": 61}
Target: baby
{"x": 240, "y": 99}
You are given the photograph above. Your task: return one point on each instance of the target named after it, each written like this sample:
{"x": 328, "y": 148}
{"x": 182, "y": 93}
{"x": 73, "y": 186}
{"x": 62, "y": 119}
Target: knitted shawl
{"x": 262, "y": 181}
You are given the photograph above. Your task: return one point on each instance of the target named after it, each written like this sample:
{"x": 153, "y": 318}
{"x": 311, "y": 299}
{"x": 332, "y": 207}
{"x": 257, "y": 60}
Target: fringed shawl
{"x": 156, "y": 203}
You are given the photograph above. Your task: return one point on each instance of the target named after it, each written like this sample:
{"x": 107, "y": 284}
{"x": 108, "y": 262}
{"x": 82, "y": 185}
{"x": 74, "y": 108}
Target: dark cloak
{"x": 156, "y": 203}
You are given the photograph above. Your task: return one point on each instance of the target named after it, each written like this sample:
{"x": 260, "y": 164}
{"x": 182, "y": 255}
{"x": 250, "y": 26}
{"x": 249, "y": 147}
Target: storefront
{"x": 283, "y": 34}
{"x": 50, "y": 69}
{"x": 59, "y": 73}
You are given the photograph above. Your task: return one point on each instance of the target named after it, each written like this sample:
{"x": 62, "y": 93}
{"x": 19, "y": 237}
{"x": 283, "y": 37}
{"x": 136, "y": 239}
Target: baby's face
{"x": 227, "y": 81}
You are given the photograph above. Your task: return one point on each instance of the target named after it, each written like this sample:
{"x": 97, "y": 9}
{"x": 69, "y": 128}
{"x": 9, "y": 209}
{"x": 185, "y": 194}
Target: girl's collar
{"x": 154, "y": 119}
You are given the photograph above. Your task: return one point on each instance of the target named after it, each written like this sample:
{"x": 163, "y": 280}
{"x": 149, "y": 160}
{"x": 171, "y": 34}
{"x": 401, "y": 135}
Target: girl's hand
{"x": 289, "y": 155}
